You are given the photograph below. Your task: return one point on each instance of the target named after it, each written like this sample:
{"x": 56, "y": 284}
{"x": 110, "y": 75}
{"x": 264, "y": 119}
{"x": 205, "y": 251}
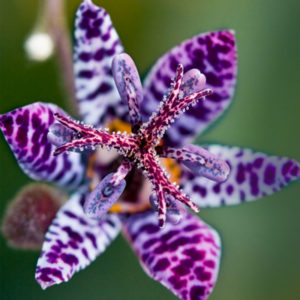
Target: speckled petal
{"x": 253, "y": 175}
{"x": 183, "y": 257}
{"x": 129, "y": 85}
{"x": 73, "y": 241}
{"x": 96, "y": 43}
{"x": 25, "y": 130}
{"x": 214, "y": 54}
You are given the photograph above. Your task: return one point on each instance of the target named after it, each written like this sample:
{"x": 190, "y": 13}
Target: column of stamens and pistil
{"x": 89, "y": 137}
{"x": 170, "y": 109}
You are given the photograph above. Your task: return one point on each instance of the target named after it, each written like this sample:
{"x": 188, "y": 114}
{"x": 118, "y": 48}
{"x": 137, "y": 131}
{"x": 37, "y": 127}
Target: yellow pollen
{"x": 118, "y": 125}
{"x": 172, "y": 169}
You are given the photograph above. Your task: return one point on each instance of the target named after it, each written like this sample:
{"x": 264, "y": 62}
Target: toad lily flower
{"x": 105, "y": 166}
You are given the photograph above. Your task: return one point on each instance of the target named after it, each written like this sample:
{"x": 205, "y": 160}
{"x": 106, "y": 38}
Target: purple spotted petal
{"x": 25, "y": 130}
{"x": 214, "y": 54}
{"x": 253, "y": 175}
{"x": 183, "y": 257}
{"x": 96, "y": 43}
{"x": 73, "y": 241}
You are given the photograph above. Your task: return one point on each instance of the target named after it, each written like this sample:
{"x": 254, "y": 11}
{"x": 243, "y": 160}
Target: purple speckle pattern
{"x": 96, "y": 43}
{"x": 25, "y": 130}
{"x": 253, "y": 175}
{"x": 73, "y": 241}
{"x": 183, "y": 257}
{"x": 214, "y": 54}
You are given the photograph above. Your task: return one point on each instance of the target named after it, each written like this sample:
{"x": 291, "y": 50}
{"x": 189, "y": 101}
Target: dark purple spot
{"x": 229, "y": 189}
{"x": 269, "y": 174}
{"x": 202, "y": 275}
{"x": 45, "y": 272}
{"x": 240, "y": 176}
{"x": 286, "y": 168}
{"x": 185, "y": 131}
{"x": 209, "y": 264}
{"x": 217, "y": 188}
{"x": 254, "y": 184}
{"x": 240, "y": 154}
{"x": 176, "y": 282}
{"x": 73, "y": 234}
{"x": 99, "y": 55}
{"x": 181, "y": 241}
{"x": 149, "y": 228}
{"x": 183, "y": 268}
{"x": 106, "y": 37}
{"x": 197, "y": 292}
{"x": 85, "y": 253}
{"x": 215, "y": 97}
{"x": 161, "y": 265}
{"x": 36, "y": 122}
{"x": 225, "y": 64}
{"x": 92, "y": 238}
{"x": 200, "y": 189}
{"x": 258, "y": 162}
{"x": 89, "y": 14}
{"x": 92, "y": 33}
{"x": 7, "y": 122}
{"x": 165, "y": 237}
{"x": 194, "y": 254}
{"x": 51, "y": 257}
{"x": 150, "y": 243}
{"x": 161, "y": 249}
{"x": 69, "y": 259}
{"x": 103, "y": 88}
{"x": 98, "y": 22}
{"x": 173, "y": 63}
{"x": 190, "y": 227}
{"x": 85, "y": 74}
{"x": 85, "y": 56}
{"x": 70, "y": 214}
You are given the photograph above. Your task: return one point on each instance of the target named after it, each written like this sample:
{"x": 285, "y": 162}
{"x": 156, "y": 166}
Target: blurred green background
{"x": 261, "y": 240}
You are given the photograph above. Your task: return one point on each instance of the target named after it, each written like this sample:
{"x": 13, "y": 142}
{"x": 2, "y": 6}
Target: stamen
{"x": 170, "y": 109}
{"x": 175, "y": 211}
{"x": 129, "y": 86}
{"x": 135, "y": 117}
{"x": 107, "y": 192}
{"x": 214, "y": 168}
{"x": 59, "y": 134}
{"x": 90, "y": 137}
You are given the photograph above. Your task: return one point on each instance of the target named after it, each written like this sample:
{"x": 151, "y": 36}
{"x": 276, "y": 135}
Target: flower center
{"x": 140, "y": 148}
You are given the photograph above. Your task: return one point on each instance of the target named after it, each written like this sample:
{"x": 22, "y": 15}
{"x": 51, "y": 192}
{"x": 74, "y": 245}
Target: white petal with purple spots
{"x": 73, "y": 241}
{"x": 25, "y": 130}
{"x": 214, "y": 54}
{"x": 183, "y": 257}
{"x": 253, "y": 175}
{"x": 96, "y": 44}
